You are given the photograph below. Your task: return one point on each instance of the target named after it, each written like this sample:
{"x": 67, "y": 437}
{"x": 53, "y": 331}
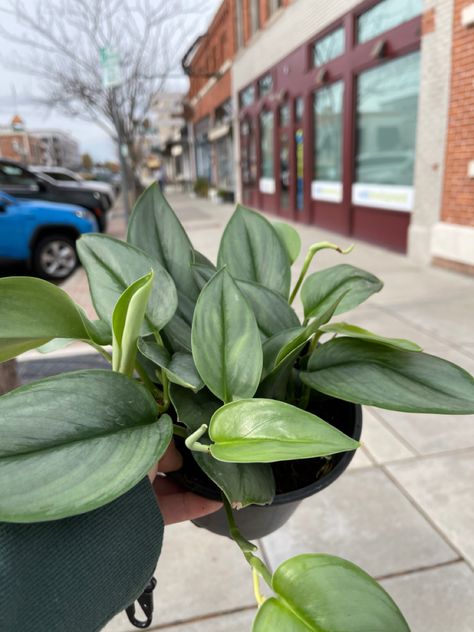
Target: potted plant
{"x": 265, "y": 408}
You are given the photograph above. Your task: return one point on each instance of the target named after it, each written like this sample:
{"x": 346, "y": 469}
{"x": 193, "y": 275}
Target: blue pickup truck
{"x": 42, "y": 234}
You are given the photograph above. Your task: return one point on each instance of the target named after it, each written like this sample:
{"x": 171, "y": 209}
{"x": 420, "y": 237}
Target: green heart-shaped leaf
{"x": 202, "y": 274}
{"x": 33, "y": 312}
{"x": 112, "y": 265}
{"x": 252, "y": 251}
{"x": 351, "y": 331}
{"x": 297, "y": 342}
{"x": 290, "y": 238}
{"x": 369, "y": 373}
{"x": 178, "y": 331}
{"x": 193, "y": 409}
{"x": 179, "y": 367}
{"x": 271, "y": 310}
{"x": 72, "y": 443}
{"x": 225, "y": 340}
{"x": 155, "y": 229}
{"x": 127, "y": 321}
{"x": 272, "y": 348}
{"x": 323, "y": 593}
{"x": 265, "y": 430}
{"x": 321, "y": 289}
{"x": 242, "y": 483}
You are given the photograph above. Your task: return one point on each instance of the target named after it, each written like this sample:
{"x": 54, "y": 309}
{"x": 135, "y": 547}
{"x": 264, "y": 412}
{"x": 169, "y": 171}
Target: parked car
{"x": 68, "y": 178}
{"x": 105, "y": 175}
{"x": 21, "y": 182}
{"x": 42, "y": 234}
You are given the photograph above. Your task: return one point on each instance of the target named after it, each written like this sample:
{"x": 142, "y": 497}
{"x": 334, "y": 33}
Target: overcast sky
{"x": 92, "y": 139}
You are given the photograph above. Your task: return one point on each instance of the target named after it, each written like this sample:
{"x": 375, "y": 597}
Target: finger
{"x": 171, "y": 460}
{"x": 164, "y": 486}
{"x": 181, "y": 506}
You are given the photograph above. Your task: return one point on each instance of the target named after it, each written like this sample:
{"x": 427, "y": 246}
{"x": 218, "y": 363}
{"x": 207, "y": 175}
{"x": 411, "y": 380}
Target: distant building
{"x": 208, "y": 64}
{"x": 18, "y": 144}
{"x": 60, "y": 149}
{"x": 167, "y": 138}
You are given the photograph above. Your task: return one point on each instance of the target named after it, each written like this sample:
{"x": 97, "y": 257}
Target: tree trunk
{"x": 8, "y": 376}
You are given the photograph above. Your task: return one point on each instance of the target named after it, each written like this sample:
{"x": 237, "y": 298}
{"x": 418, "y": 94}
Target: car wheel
{"x": 55, "y": 257}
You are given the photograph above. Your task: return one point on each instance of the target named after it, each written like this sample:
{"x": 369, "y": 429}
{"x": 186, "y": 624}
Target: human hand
{"x": 177, "y": 504}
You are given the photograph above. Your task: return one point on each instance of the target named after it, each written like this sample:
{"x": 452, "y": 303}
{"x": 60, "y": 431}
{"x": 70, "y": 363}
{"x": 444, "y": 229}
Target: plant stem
{"x": 192, "y": 442}
{"x": 100, "y": 349}
{"x": 322, "y": 245}
{"x": 166, "y": 390}
{"x": 247, "y": 547}
{"x": 256, "y": 587}
{"x": 145, "y": 379}
{"x": 180, "y": 431}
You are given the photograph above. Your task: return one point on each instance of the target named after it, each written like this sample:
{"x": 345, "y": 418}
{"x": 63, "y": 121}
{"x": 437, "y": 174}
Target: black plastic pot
{"x": 258, "y": 521}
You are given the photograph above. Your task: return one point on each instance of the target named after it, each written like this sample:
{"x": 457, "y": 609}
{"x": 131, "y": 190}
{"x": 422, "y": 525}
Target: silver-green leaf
{"x": 266, "y": 430}
{"x": 252, "y": 251}
{"x": 112, "y": 265}
{"x": 33, "y": 312}
{"x": 225, "y": 340}
{"x": 72, "y": 443}
{"x": 322, "y": 289}
{"x": 374, "y": 374}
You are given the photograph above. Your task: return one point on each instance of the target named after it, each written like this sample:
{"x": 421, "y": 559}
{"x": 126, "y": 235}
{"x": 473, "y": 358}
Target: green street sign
{"x": 110, "y": 64}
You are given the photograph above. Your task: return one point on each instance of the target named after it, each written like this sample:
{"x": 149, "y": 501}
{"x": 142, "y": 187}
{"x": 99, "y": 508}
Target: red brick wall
{"x": 458, "y": 197}
{"x": 217, "y": 45}
{"x": 219, "y": 92}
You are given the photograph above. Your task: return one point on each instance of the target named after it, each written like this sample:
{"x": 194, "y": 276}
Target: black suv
{"x": 22, "y": 183}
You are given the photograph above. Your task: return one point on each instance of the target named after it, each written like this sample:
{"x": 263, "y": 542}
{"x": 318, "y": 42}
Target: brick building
{"x": 208, "y": 64}
{"x": 353, "y": 115}
{"x": 17, "y": 144}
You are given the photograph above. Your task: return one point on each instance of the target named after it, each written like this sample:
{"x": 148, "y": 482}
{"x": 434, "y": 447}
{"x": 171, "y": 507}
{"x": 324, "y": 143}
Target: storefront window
{"x": 248, "y": 153}
{"x": 328, "y": 106}
{"x": 266, "y": 143}
{"x": 284, "y": 170}
{"x": 225, "y": 169}
{"x": 299, "y": 109}
{"x": 247, "y": 96}
{"x": 387, "y": 102}
{"x": 265, "y": 85}
{"x": 386, "y": 15}
{"x": 284, "y": 115}
{"x": 329, "y": 47}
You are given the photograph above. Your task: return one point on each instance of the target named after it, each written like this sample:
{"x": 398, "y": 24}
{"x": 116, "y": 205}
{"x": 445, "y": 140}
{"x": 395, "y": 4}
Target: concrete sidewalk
{"x": 404, "y": 510}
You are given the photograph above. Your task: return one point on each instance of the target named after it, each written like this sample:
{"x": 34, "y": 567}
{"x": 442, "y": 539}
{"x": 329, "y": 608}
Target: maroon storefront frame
{"x": 294, "y": 76}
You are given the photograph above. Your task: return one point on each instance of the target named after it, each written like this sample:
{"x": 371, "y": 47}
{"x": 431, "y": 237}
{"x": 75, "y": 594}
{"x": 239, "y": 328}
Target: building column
{"x": 432, "y": 126}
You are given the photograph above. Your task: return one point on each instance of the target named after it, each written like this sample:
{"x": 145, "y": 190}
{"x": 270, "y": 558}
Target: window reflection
{"x": 284, "y": 170}
{"x": 266, "y": 143}
{"x": 387, "y": 102}
{"x": 386, "y": 15}
{"x": 328, "y": 105}
{"x": 329, "y": 47}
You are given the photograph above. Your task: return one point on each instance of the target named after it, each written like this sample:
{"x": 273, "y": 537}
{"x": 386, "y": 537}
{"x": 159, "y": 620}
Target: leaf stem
{"x": 180, "y": 431}
{"x": 247, "y": 549}
{"x": 322, "y": 245}
{"x": 256, "y": 587}
{"x": 100, "y": 349}
{"x": 192, "y": 442}
{"x": 146, "y": 380}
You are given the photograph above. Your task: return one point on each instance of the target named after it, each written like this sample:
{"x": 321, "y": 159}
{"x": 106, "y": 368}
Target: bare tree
{"x": 59, "y": 42}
